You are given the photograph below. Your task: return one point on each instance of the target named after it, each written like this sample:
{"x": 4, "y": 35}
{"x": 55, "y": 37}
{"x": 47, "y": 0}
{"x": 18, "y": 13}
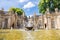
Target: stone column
{"x": 56, "y": 18}
{"x": 48, "y": 17}
{"x": 9, "y": 21}
{"x": 15, "y": 24}
{"x": 23, "y": 20}
{"x": 23, "y": 24}
{"x": 48, "y": 23}
{"x": 3, "y": 24}
{"x": 0, "y": 22}
{"x": 35, "y": 23}
{"x": 43, "y": 21}
{"x": 56, "y": 22}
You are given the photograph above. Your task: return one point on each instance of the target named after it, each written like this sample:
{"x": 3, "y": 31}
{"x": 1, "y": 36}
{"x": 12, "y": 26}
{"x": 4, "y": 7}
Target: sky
{"x": 29, "y": 6}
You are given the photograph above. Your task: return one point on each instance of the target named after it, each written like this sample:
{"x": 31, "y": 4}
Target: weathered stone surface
{"x": 50, "y": 20}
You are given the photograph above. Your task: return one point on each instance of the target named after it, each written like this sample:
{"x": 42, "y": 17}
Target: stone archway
{"x": 45, "y": 25}
{"x": 12, "y": 25}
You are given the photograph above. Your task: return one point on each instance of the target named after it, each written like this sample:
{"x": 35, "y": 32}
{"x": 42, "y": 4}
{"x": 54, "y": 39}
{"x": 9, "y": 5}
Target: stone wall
{"x": 50, "y": 20}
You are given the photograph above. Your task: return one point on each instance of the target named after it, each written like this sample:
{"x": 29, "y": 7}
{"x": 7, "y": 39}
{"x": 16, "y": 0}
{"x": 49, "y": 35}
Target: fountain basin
{"x": 29, "y": 28}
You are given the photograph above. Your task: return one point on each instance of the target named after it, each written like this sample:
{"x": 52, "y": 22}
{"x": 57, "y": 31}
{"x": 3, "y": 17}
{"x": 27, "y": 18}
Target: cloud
{"x": 29, "y": 5}
{"x": 21, "y": 1}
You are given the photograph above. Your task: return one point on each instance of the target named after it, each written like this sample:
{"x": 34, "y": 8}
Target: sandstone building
{"x": 49, "y": 20}
{"x": 9, "y": 19}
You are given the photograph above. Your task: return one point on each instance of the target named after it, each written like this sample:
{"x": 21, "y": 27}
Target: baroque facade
{"x": 10, "y": 20}
{"x": 49, "y": 20}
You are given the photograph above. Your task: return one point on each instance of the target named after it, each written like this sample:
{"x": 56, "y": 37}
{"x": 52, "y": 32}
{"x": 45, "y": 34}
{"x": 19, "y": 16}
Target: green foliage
{"x": 19, "y": 11}
{"x": 51, "y": 4}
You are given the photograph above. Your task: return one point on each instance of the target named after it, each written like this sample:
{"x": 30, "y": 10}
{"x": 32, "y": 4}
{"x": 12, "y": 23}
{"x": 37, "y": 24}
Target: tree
{"x": 19, "y": 11}
{"x": 51, "y": 4}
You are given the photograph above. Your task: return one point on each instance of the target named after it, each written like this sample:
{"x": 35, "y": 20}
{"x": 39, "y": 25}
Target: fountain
{"x": 29, "y": 25}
